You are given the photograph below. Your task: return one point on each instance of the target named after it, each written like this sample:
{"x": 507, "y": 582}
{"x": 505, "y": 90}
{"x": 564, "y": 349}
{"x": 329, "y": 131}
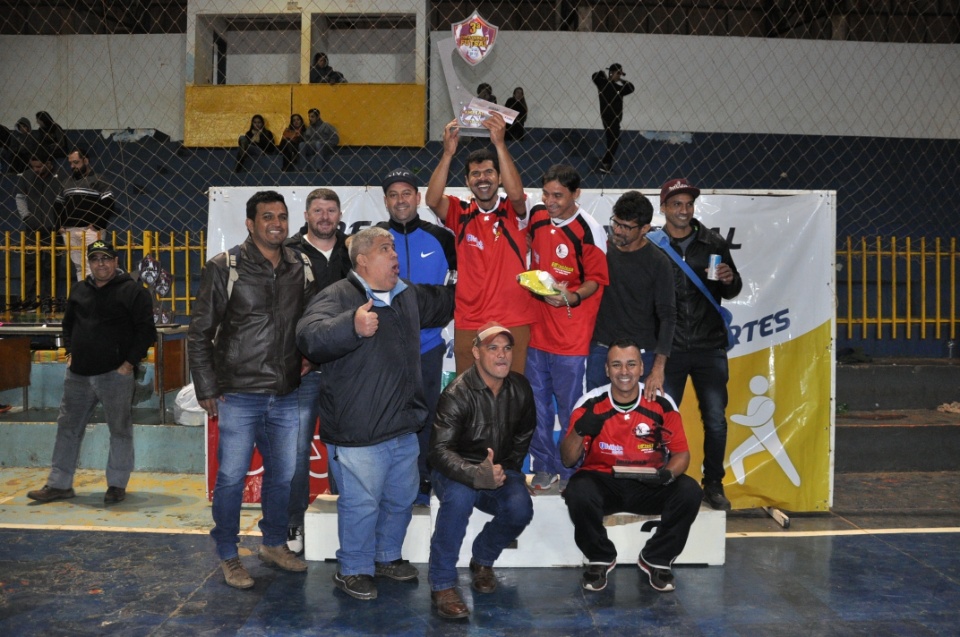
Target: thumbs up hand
{"x": 489, "y": 475}
{"x": 365, "y": 321}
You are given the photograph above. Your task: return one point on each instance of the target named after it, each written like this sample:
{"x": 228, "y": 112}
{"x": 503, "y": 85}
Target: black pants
{"x": 611, "y": 135}
{"x": 590, "y": 495}
{"x": 46, "y": 263}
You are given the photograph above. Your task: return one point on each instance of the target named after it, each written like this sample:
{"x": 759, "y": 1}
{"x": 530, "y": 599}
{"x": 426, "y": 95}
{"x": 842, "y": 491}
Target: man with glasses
{"x": 639, "y": 302}
{"x": 700, "y": 339}
{"x": 107, "y": 330}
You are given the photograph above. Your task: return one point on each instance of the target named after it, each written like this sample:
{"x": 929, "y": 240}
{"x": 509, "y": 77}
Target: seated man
{"x": 320, "y": 139}
{"x": 485, "y": 419}
{"x": 614, "y": 429}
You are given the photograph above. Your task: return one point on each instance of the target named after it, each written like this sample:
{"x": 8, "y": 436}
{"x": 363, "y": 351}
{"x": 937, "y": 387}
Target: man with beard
{"x": 324, "y": 243}
{"x": 427, "y": 254}
{"x": 491, "y": 242}
{"x": 84, "y": 207}
{"x": 640, "y": 301}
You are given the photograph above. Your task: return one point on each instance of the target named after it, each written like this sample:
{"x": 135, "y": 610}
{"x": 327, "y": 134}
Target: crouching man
{"x": 634, "y": 455}
{"x": 485, "y": 420}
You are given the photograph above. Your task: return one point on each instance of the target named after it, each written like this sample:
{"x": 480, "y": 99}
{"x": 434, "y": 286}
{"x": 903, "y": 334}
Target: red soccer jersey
{"x": 573, "y": 251}
{"x": 491, "y": 252}
{"x": 632, "y": 436}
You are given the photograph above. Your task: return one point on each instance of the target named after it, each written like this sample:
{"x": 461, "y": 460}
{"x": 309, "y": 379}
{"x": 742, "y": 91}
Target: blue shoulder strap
{"x": 660, "y": 239}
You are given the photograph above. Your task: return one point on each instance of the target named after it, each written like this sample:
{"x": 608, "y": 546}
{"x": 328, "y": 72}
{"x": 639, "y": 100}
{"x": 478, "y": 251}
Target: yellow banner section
{"x": 363, "y": 114}
{"x": 779, "y": 421}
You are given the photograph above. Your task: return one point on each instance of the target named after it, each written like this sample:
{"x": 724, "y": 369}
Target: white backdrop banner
{"x": 780, "y": 409}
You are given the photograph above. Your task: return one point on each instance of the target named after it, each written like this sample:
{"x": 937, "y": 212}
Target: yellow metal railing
{"x": 182, "y": 255}
{"x": 888, "y": 287}
{"x": 898, "y": 287}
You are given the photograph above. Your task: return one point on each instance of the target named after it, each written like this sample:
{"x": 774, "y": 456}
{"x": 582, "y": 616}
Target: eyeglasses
{"x": 101, "y": 259}
{"x": 614, "y": 224}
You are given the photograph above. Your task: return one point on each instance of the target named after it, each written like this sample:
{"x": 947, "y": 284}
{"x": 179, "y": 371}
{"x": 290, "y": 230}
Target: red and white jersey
{"x": 573, "y": 250}
{"x": 631, "y": 436}
{"x": 491, "y": 252}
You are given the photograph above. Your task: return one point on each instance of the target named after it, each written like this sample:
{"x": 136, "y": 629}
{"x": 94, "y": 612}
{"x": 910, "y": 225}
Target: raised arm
{"x": 438, "y": 180}
{"x": 509, "y": 176}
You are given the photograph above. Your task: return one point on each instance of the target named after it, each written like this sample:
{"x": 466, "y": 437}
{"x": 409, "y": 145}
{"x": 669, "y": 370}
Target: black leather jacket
{"x": 248, "y": 344}
{"x": 470, "y": 420}
{"x": 699, "y": 325}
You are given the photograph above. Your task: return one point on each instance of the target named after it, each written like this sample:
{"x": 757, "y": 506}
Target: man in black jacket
{"x": 481, "y": 434}
{"x": 364, "y": 333}
{"x": 84, "y": 207}
{"x": 246, "y": 371}
{"x": 611, "y": 89}
{"x": 107, "y": 329}
{"x": 322, "y": 240}
{"x": 700, "y": 339}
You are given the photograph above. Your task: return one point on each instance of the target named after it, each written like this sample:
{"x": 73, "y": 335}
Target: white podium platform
{"x": 547, "y": 542}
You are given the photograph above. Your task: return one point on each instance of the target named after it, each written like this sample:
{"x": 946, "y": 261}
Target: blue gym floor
{"x": 873, "y": 566}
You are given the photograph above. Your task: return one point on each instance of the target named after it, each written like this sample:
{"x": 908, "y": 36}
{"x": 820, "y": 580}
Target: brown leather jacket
{"x": 247, "y": 343}
{"x": 470, "y": 420}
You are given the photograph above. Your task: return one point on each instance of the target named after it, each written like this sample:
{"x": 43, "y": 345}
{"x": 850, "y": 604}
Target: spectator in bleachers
{"x": 37, "y": 191}
{"x": 320, "y": 139}
{"x": 84, "y": 207}
{"x": 290, "y": 142}
{"x": 517, "y": 102}
{"x": 258, "y": 136}
{"x": 322, "y": 73}
{"x": 485, "y": 92}
{"x": 50, "y": 137}
{"x": 14, "y": 145}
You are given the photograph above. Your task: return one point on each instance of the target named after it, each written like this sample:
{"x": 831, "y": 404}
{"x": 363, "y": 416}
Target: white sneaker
{"x": 295, "y": 539}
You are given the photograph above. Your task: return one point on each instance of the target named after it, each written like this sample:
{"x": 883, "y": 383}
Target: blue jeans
{"x": 597, "y": 361}
{"x": 510, "y": 506}
{"x": 309, "y": 409}
{"x": 552, "y": 376}
{"x": 709, "y": 372}
{"x": 80, "y": 396}
{"x": 378, "y": 485}
{"x": 271, "y": 423}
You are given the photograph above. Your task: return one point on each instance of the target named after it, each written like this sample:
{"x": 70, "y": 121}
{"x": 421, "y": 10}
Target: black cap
{"x": 102, "y": 247}
{"x": 616, "y": 66}
{"x": 399, "y": 175}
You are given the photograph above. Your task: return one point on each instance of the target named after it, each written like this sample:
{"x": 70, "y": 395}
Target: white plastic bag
{"x": 186, "y": 410}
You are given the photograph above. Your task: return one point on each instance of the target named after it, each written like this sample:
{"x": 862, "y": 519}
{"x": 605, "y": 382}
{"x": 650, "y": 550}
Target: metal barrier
{"x": 892, "y": 287}
{"x": 898, "y": 288}
{"x": 181, "y": 255}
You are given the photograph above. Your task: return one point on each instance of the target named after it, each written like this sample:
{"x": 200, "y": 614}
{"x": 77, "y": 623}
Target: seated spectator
{"x": 50, "y": 137}
{"x": 485, "y": 92}
{"x": 290, "y": 142}
{"x": 258, "y": 136}
{"x": 320, "y": 139}
{"x": 518, "y": 103}
{"x": 322, "y": 73}
{"x": 14, "y": 146}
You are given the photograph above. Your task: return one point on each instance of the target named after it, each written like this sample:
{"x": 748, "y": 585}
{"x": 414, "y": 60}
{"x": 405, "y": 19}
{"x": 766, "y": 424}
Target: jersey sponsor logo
{"x": 642, "y": 430}
{"x": 562, "y": 251}
{"x": 562, "y": 269}
{"x": 474, "y": 241}
{"x": 424, "y": 255}
{"x": 616, "y": 450}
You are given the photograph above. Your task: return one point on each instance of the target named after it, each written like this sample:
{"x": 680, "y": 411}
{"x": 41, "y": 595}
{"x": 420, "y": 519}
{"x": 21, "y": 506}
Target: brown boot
{"x": 449, "y": 604}
{"x": 484, "y": 579}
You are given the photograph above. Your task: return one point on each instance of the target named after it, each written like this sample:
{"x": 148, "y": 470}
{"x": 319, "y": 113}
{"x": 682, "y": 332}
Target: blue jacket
{"x": 426, "y": 252}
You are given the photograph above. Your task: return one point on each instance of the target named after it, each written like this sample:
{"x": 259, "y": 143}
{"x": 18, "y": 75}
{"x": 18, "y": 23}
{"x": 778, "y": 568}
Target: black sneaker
{"x": 595, "y": 576}
{"x": 114, "y": 495}
{"x": 661, "y": 579}
{"x": 714, "y": 497}
{"x": 356, "y": 586}
{"x": 400, "y": 570}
